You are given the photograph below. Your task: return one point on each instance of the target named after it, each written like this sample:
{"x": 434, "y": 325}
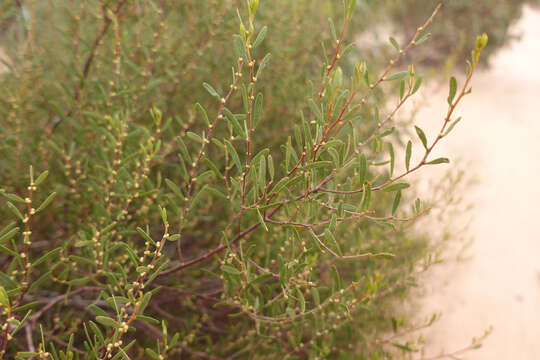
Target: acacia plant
{"x": 186, "y": 180}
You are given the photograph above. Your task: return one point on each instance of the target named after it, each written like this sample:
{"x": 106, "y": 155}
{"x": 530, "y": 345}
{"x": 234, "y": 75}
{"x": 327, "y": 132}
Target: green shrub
{"x": 263, "y": 222}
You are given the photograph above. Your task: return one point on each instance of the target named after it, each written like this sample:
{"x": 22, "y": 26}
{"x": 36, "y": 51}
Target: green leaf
{"x": 234, "y": 155}
{"x": 26, "y": 354}
{"x": 27, "y": 306}
{"x": 21, "y": 322}
{"x": 174, "y": 188}
{"x": 337, "y": 279}
{"x": 451, "y": 127}
{"x": 147, "y": 319}
{"x": 195, "y": 200}
{"x": 422, "y": 136}
{"x": 417, "y": 84}
{"x": 141, "y": 269}
{"x": 4, "y": 298}
{"x": 195, "y": 137}
{"x": 39, "y": 281}
{"x": 279, "y": 186}
{"x": 422, "y": 39}
{"x": 96, "y": 331}
{"x": 408, "y": 152}
{"x": 233, "y": 121}
{"x": 397, "y": 200}
{"x": 213, "y": 167}
{"x": 366, "y": 198}
{"x": 203, "y": 113}
{"x": 47, "y": 256}
{"x": 183, "y": 148}
{"x": 41, "y": 177}
{"x": 316, "y": 110}
{"x": 362, "y": 168}
{"x": 397, "y": 76}
{"x": 301, "y": 299}
{"x": 107, "y": 321}
{"x": 97, "y": 310}
{"x": 211, "y": 90}
{"x": 396, "y": 187}
{"x": 173, "y": 237}
{"x": 14, "y": 197}
{"x": 387, "y": 132}
{"x": 46, "y": 202}
{"x": 8, "y": 251}
{"x": 405, "y": 347}
{"x": 315, "y": 296}
{"x": 144, "y": 303}
{"x": 151, "y": 353}
{"x": 392, "y": 159}
{"x": 216, "y": 192}
{"x": 7, "y": 228}
{"x": 385, "y": 255}
{"x": 271, "y": 167}
{"x": 394, "y": 43}
{"x": 257, "y": 109}
{"x": 8, "y": 235}
{"x": 438, "y": 161}
{"x": 330, "y": 238}
{"x": 145, "y": 236}
{"x": 332, "y": 30}
{"x": 261, "y": 219}
{"x": 239, "y": 48}
{"x": 260, "y": 38}
{"x": 453, "y": 90}
{"x": 263, "y": 64}
{"x": 14, "y": 210}
{"x": 231, "y": 270}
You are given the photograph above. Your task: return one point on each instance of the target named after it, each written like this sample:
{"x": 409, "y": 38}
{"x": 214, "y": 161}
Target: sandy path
{"x": 500, "y": 284}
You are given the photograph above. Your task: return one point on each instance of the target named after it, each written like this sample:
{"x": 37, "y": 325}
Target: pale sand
{"x": 499, "y": 136}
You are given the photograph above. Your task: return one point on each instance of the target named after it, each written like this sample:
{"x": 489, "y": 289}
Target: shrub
{"x": 263, "y": 222}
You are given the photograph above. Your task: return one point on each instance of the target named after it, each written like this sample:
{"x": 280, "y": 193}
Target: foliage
{"x": 205, "y": 185}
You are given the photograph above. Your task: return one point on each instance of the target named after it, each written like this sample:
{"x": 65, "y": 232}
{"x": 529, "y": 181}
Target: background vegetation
{"x": 173, "y": 191}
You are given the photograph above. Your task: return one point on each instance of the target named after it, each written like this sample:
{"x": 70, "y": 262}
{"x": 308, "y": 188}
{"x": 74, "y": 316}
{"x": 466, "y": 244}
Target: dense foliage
{"x": 185, "y": 180}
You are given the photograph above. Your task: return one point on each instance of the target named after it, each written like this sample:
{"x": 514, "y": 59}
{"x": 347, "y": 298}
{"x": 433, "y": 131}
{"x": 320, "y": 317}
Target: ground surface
{"x": 499, "y": 139}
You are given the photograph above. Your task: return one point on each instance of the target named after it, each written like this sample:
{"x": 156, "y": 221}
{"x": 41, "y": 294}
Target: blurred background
{"x": 491, "y": 279}
{"x": 496, "y": 280}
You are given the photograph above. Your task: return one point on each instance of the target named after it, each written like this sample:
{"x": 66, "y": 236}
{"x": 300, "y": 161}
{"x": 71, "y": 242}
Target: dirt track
{"x": 499, "y": 136}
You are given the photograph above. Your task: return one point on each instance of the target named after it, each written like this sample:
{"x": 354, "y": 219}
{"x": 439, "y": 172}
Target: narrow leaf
{"x": 422, "y": 136}
{"x": 233, "y": 121}
{"x": 41, "y": 177}
{"x": 394, "y": 43}
{"x": 396, "y": 187}
{"x": 438, "y": 161}
{"x": 417, "y": 84}
{"x": 397, "y": 76}
{"x": 408, "y": 152}
{"x": 392, "y": 159}
{"x": 14, "y": 210}
{"x": 203, "y": 113}
{"x": 8, "y": 235}
{"x": 260, "y": 38}
{"x": 46, "y": 202}
{"x": 106, "y": 321}
{"x": 211, "y": 90}
{"x": 453, "y": 90}
{"x": 397, "y": 200}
